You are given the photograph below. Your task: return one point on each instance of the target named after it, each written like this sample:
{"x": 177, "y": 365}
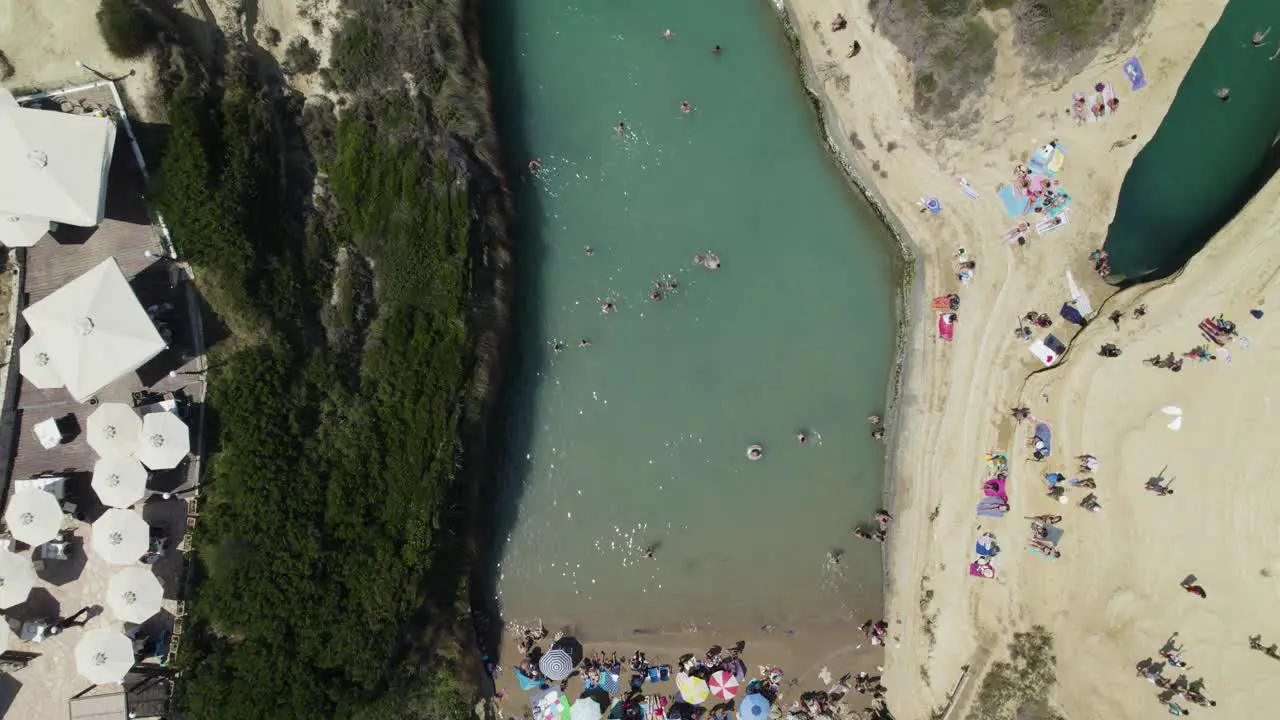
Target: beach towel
{"x": 1048, "y": 225}
{"x": 988, "y": 507}
{"x": 946, "y": 327}
{"x": 1133, "y": 71}
{"x": 967, "y": 189}
{"x": 1044, "y": 434}
{"x": 1071, "y": 314}
{"x": 984, "y": 570}
{"x": 1014, "y": 204}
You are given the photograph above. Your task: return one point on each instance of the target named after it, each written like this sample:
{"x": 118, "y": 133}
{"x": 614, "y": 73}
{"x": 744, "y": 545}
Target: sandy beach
{"x": 1113, "y": 597}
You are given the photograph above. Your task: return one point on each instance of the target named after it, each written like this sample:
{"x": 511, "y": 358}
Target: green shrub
{"x": 127, "y": 29}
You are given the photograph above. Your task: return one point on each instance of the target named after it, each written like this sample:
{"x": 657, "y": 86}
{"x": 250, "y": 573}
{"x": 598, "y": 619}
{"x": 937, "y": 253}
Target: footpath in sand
{"x": 1113, "y": 597}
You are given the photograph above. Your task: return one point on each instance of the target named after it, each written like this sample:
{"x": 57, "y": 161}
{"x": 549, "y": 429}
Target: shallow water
{"x": 640, "y": 439}
{"x": 1208, "y": 157}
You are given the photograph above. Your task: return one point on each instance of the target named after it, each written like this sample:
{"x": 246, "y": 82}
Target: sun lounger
{"x": 1048, "y": 225}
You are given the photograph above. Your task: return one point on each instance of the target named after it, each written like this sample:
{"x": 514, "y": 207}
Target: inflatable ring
{"x": 755, "y": 452}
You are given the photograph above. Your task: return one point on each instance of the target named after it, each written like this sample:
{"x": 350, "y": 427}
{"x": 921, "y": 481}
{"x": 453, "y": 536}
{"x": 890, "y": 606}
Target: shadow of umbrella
{"x": 61, "y": 572}
{"x": 571, "y": 646}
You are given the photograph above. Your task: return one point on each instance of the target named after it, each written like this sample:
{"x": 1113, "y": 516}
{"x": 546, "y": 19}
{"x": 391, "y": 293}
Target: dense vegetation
{"x": 952, "y": 47}
{"x": 127, "y": 30}
{"x": 331, "y": 553}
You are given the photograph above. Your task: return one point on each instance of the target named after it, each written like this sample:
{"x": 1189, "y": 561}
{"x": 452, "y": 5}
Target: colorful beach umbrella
{"x": 556, "y": 665}
{"x": 585, "y": 709}
{"x": 723, "y": 685}
{"x": 692, "y": 689}
{"x": 34, "y": 516}
{"x": 17, "y": 576}
{"x": 754, "y": 707}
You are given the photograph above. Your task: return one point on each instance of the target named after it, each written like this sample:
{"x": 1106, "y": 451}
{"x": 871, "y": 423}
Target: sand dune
{"x": 1113, "y": 598}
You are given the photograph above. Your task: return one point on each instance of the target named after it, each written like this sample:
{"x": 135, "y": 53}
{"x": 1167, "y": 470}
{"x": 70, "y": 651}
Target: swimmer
{"x": 685, "y": 106}
{"x": 589, "y": 251}
{"x": 584, "y": 343}
{"x": 755, "y": 452}
{"x": 607, "y": 306}
{"x": 698, "y": 259}
{"x": 655, "y": 296}
{"x": 802, "y": 438}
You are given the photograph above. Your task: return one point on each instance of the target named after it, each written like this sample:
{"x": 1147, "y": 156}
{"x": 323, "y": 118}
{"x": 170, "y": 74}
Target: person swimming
{"x": 685, "y": 106}
{"x": 755, "y": 452}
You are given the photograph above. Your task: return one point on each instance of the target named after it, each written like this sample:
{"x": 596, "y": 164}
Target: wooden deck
{"x": 126, "y": 234}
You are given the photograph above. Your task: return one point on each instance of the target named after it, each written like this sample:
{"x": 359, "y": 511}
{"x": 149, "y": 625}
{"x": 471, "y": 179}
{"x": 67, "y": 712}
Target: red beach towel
{"x": 946, "y": 327}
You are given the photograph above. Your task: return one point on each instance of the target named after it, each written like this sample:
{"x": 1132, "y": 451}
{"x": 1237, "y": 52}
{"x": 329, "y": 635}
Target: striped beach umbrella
{"x": 754, "y": 707}
{"x": 693, "y": 689}
{"x": 723, "y": 685}
{"x": 556, "y": 665}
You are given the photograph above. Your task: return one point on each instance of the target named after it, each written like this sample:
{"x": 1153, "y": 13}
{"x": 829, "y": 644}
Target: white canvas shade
{"x": 22, "y": 231}
{"x": 36, "y": 366}
{"x": 94, "y": 330}
{"x": 55, "y": 163}
{"x": 134, "y": 594}
{"x": 165, "y": 440}
{"x": 34, "y": 517}
{"x": 121, "y": 537}
{"x": 104, "y": 656}
{"x": 17, "y": 576}
{"x": 112, "y": 430}
{"x": 119, "y": 482}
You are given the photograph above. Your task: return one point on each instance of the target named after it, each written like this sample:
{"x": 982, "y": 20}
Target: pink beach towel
{"x": 946, "y": 326}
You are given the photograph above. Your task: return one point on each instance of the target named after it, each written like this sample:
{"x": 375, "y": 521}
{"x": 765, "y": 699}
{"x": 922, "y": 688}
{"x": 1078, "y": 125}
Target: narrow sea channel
{"x": 640, "y": 439}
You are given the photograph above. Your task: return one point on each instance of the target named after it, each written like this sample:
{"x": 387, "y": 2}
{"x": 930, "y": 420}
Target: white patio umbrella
{"x": 164, "y": 442}
{"x": 134, "y": 594}
{"x": 33, "y": 516}
{"x": 119, "y": 482}
{"x": 35, "y": 366}
{"x": 121, "y": 537}
{"x": 104, "y": 656}
{"x": 94, "y": 330}
{"x": 22, "y": 230}
{"x": 113, "y": 430}
{"x": 17, "y": 576}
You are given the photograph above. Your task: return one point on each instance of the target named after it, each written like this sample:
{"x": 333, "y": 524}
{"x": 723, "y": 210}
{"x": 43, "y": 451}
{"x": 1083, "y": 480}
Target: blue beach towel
{"x": 1013, "y": 205}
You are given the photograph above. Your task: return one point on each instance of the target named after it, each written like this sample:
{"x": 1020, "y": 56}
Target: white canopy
{"x": 164, "y": 442}
{"x": 36, "y": 366}
{"x": 17, "y": 576}
{"x": 55, "y": 164}
{"x": 94, "y": 330}
{"x": 104, "y": 656}
{"x": 22, "y": 230}
{"x": 34, "y": 517}
{"x": 119, "y": 482}
{"x": 134, "y": 594}
{"x": 112, "y": 430}
{"x": 121, "y": 537}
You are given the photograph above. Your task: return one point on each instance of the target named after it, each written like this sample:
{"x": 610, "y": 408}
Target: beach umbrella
{"x": 36, "y": 367}
{"x": 692, "y": 689}
{"x": 17, "y": 575}
{"x": 119, "y": 482}
{"x": 553, "y": 706}
{"x": 723, "y": 685}
{"x": 134, "y": 594}
{"x": 121, "y": 537}
{"x": 34, "y": 517}
{"x": 585, "y": 709}
{"x": 104, "y": 656}
{"x": 556, "y": 665}
{"x": 94, "y": 329}
{"x": 165, "y": 440}
{"x": 753, "y": 707}
{"x": 112, "y": 430}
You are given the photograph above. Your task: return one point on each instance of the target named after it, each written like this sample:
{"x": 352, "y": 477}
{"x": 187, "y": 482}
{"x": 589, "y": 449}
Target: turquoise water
{"x": 640, "y": 439}
{"x": 1208, "y": 157}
